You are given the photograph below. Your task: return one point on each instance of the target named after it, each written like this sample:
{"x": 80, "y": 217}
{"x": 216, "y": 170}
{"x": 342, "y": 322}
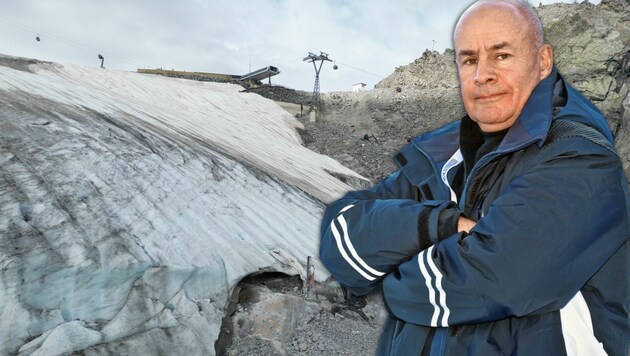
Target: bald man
{"x": 503, "y": 233}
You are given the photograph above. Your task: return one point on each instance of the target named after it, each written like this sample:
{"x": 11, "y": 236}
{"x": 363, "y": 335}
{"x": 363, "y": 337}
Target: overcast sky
{"x": 368, "y": 39}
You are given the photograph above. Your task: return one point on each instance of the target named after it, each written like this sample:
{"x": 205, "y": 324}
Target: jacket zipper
{"x": 477, "y": 167}
{"x": 473, "y": 182}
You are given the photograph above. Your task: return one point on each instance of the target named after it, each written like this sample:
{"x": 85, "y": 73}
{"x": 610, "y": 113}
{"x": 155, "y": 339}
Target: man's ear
{"x": 545, "y": 56}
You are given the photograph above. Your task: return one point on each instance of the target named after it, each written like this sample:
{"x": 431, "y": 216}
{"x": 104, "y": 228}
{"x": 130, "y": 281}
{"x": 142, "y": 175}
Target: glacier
{"x": 131, "y": 205}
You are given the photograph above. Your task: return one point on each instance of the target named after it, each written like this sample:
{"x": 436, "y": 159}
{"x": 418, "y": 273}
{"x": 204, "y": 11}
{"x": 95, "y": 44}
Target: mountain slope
{"x": 131, "y": 205}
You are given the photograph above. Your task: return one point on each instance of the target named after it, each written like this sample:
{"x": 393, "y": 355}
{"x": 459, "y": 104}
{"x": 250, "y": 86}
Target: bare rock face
{"x": 267, "y": 315}
{"x": 591, "y": 49}
{"x": 431, "y": 71}
{"x": 364, "y": 130}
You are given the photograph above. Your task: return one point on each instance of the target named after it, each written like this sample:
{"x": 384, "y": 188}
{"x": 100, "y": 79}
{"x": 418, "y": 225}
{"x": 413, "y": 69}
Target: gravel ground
{"x": 323, "y": 324}
{"x": 336, "y": 330}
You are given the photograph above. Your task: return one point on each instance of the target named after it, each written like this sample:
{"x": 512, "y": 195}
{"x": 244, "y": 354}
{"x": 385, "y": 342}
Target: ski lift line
{"x": 51, "y": 35}
{"x": 361, "y": 70}
{"x": 65, "y": 41}
{"x": 15, "y": 24}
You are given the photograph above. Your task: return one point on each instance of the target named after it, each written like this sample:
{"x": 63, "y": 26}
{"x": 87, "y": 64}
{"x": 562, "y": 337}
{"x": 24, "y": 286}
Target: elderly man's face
{"x": 498, "y": 64}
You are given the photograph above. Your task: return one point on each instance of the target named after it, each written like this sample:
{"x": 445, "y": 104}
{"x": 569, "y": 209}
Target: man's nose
{"x": 485, "y": 73}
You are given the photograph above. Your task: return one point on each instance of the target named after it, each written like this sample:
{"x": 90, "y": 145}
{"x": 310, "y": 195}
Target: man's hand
{"x": 465, "y": 224}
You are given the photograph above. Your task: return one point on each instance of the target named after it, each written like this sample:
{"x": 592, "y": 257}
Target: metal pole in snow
{"x": 310, "y": 278}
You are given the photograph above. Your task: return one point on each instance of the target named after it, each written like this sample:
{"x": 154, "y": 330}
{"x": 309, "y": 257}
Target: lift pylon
{"x": 314, "y": 58}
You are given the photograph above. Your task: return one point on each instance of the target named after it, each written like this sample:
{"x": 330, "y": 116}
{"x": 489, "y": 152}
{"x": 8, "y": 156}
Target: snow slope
{"x": 130, "y": 206}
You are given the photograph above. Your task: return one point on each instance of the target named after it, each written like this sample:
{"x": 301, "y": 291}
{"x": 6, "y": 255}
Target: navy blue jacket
{"x": 545, "y": 270}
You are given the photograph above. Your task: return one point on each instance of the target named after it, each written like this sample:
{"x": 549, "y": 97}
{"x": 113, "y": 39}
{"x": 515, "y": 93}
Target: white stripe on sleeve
{"x": 427, "y": 281}
{"x": 438, "y": 284}
{"x": 335, "y": 232}
{"x": 346, "y": 208}
{"x": 346, "y": 237}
